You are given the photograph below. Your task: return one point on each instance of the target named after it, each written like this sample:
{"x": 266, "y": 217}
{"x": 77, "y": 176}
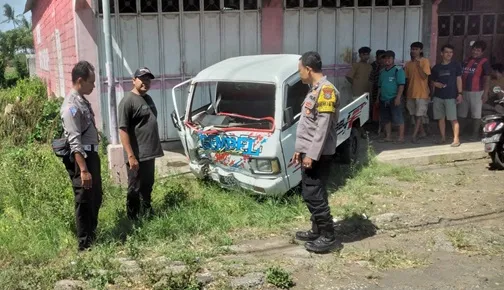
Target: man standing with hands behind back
{"x": 315, "y": 145}
{"x": 83, "y": 162}
{"x": 140, "y": 138}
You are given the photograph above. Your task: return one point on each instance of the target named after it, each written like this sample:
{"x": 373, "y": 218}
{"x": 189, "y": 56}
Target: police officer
{"x": 83, "y": 162}
{"x": 315, "y": 144}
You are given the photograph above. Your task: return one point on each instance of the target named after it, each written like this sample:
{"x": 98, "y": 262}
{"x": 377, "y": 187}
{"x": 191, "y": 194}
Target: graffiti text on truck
{"x": 246, "y": 145}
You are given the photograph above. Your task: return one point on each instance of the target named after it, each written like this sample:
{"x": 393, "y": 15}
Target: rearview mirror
{"x": 175, "y": 121}
{"x": 288, "y": 116}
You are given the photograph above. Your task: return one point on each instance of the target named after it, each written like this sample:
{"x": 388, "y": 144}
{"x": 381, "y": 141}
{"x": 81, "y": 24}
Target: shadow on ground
{"x": 354, "y": 228}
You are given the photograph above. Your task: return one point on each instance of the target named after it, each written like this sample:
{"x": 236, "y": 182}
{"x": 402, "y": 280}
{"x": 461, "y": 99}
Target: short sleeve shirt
{"x": 138, "y": 116}
{"x": 418, "y": 87}
{"x": 474, "y": 72}
{"x": 360, "y": 78}
{"x": 389, "y": 82}
{"x": 446, "y": 74}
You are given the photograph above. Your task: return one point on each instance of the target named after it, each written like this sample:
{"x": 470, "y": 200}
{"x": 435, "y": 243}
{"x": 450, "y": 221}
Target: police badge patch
{"x": 73, "y": 111}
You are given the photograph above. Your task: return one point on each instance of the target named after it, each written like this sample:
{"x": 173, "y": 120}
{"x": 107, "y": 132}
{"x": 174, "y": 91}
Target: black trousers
{"x": 87, "y": 201}
{"x": 313, "y": 189}
{"x": 140, "y": 184}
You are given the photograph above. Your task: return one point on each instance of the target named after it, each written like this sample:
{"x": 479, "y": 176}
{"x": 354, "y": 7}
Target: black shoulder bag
{"x": 61, "y": 147}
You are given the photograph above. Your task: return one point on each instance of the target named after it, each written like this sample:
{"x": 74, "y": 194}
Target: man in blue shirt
{"x": 391, "y": 87}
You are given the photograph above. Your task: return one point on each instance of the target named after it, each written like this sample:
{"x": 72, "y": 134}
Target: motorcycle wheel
{"x": 497, "y": 160}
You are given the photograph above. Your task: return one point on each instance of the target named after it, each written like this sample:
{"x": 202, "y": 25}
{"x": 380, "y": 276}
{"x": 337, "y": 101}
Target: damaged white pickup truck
{"x": 240, "y": 118}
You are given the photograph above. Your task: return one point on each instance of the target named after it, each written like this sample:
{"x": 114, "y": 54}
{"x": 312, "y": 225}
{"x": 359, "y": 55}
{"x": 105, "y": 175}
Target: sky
{"x": 18, "y": 6}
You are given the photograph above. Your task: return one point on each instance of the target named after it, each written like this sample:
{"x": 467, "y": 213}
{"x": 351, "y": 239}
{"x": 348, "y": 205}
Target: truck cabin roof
{"x": 274, "y": 68}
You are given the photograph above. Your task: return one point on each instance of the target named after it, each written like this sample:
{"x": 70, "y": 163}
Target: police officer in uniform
{"x": 315, "y": 145}
{"x": 83, "y": 162}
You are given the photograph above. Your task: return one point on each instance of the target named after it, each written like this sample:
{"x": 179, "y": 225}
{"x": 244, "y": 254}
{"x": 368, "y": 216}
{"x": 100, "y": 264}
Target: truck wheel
{"x": 350, "y": 147}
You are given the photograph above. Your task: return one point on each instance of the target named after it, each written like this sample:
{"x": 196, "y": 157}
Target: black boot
{"x": 307, "y": 236}
{"x": 327, "y": 242}
{"x": 310, "y": 235}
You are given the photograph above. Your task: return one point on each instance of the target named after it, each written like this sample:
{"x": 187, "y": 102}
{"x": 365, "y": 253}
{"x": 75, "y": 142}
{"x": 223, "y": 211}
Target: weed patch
{"x": 279, "y": 278}
{"x": 385, "y": 259}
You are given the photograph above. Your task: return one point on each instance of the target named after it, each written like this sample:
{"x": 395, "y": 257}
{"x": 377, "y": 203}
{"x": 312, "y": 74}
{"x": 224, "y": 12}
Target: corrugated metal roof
{"x": 269, "y": 68}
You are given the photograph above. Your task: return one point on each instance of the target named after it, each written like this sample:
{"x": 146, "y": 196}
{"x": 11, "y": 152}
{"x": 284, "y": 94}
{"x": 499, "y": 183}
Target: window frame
{"x": 290, "y": 82}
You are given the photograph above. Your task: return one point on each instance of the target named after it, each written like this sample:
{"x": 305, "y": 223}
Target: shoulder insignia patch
{"x": 326, "y": 102}
{"x": 328, "y": 92}
{"x": 73, "y": 111}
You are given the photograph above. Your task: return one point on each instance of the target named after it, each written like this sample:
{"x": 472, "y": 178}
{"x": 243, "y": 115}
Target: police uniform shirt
{"x": 316, "y": 131}
{"x": 78, "y": 123}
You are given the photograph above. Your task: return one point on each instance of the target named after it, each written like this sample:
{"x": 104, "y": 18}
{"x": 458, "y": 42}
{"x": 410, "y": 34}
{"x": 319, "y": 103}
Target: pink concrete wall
{"x": 87, "y": 49}
{"x": 47, "y": 17}
{"x": 272, "y": 27}
{"x": 77, "y": 28}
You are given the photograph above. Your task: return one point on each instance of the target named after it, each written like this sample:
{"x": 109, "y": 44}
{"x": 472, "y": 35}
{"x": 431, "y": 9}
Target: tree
{"x": 10, "y": 15}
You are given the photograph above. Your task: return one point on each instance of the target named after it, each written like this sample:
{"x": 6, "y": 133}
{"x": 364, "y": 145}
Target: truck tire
{"x": 350, "y": 148}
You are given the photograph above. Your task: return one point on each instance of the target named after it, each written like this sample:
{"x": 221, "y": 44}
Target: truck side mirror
{"x": 288, "y": 116}
{"x": 175, "y": 121}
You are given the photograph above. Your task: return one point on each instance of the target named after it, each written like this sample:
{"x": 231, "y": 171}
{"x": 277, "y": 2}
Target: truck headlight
{"x": 265, "y": 166}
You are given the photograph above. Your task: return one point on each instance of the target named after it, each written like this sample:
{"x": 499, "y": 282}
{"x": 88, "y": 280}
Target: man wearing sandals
{"x": 390, "y": 89}
{"x": 417, "y": 92}
{"x": 446, "y": 79}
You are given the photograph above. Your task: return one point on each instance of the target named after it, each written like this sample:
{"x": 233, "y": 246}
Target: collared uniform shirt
{"x": 78, "y": 123}
{"x": 316, "y": 132}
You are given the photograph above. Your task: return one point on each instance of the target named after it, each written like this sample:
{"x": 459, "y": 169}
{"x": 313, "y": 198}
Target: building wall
{"x": 54, "y": 39}
{"x": 462, "y": 21}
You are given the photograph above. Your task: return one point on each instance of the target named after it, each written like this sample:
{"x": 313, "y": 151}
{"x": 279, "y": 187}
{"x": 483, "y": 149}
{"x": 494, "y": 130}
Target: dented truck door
{"x": 181, "y": 95}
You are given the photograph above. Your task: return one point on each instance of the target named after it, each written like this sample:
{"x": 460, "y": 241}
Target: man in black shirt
{"x": 140, "y": 138}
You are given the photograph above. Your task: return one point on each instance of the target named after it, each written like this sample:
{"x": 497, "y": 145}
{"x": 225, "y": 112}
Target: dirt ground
{"x": 444, "y": 231}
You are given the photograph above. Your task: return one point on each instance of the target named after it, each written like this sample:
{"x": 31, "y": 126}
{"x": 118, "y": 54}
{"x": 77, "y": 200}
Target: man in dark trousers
{"x": 315, "y": 145}
{"x": 140, "y": 138}
{"x": 83, "y": 162}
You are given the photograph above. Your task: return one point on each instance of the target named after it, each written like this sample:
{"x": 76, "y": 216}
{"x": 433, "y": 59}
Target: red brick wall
{"x": 49, "y": 16}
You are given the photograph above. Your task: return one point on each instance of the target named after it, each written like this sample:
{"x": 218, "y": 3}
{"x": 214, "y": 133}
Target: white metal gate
{"x": 338, "y": 28}
{"x": 175, "y": 39}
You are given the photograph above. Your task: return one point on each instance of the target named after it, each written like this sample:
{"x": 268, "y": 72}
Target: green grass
{"x": 193, "y": 219}
{"x": 361, "y": 183}
{"x": 279, "y": 278}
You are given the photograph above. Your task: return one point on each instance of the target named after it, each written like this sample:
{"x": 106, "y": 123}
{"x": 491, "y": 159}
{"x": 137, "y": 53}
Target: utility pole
{"x": 109, "y": 66}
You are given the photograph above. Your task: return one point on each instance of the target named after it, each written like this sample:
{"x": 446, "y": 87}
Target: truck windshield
{"x": 233, "y": 104}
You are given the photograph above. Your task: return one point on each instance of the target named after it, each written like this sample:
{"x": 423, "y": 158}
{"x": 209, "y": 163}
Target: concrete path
{"x": 426, "y": 152}
{"x": 174, "y": 162}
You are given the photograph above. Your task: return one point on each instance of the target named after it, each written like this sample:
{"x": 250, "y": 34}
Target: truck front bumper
{"x": 271, "y": 185}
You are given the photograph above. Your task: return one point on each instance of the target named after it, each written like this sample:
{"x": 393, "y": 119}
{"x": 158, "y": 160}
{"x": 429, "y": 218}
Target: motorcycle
{"x": 493, "y": 135}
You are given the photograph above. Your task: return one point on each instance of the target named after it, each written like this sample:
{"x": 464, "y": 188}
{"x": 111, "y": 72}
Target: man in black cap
{"x": 140, "y": 138}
